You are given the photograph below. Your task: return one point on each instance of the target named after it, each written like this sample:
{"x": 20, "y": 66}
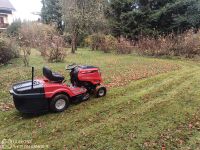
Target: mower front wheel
{"x": 59, "y": 103}
{"x": 101, "y": 92}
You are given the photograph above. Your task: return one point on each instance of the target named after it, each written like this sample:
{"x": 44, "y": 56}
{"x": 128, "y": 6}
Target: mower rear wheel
{"x": 59, "y": 103}
{"x": 101, "y": 92}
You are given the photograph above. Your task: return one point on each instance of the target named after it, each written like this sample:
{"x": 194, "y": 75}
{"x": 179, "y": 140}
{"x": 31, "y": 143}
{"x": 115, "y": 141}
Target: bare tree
{"x": 43, "y": 37}
{"x": 25, "y": 43}
{"x": 80, "y": 15}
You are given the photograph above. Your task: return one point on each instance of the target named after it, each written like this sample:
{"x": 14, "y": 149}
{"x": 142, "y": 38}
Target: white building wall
{"x": 7, "y": 19}
{"x": 10, "y": 19}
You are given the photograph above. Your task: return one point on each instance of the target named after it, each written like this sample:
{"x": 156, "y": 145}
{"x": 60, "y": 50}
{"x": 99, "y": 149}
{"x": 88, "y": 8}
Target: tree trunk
{"x": 74, "y": 40}
{"x": 73, "y": 43}
{"x": 73, "y": 48}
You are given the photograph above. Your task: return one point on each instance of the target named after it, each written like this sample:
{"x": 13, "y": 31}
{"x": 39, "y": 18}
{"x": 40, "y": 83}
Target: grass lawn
{"x": 151, "y": 103}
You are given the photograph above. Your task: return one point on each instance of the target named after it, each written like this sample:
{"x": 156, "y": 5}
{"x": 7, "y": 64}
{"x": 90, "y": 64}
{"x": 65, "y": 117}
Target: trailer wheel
{"x": 101, "y": 92}
{"x": 59, "y": 103}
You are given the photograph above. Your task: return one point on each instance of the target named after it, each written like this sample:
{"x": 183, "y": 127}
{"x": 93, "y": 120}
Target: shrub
{"x": 8, "y": 50}
{"x": 109, "y": 44}
{"x": 13, "y": 29}
{"x": 33, "y": 33}
{"x": 56, "y": 51}
{"x": 105, "y": 43}
{"x": 26, "y": 53}
{"x": 94, "y": 41}
{"x": 155, "y": 46}
{"x": 186, "y": 44}
{"x": 45, "y": 38}
{"x": 124, "y": 46}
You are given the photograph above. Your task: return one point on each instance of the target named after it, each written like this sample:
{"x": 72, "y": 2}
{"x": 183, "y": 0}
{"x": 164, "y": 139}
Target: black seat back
{"x": 47, "y": 73}
{"x": 52, "y": 76}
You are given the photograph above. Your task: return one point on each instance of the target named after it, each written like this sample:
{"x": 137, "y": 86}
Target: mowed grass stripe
{"x": 178, "y": 111}
{"x": 160, "y": 88}
{"x": 152, "y": 101}
{"x": 136, "y": 116}
{"x": 133, "y": 88}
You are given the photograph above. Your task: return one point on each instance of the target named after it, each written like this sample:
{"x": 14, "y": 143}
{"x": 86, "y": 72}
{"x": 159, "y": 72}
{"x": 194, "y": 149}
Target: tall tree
{"x": 152, "y": 17}
{"x": 175, "y": 16}
{"x": 80, "y": 15}
{"x": 114, "y": 12}
{"x": 52, "y": 13}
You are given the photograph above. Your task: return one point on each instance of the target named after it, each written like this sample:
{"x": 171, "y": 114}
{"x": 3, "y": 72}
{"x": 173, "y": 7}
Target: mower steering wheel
{"x": 70, "y": 67}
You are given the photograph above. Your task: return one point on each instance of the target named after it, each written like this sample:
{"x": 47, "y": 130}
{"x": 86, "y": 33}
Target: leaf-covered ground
{"x": 161, "y": 110}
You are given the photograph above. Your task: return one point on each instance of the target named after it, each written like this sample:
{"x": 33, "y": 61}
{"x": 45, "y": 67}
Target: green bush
{"x": 109, "y": 44}
{"x": 8, "y": 50}
{"x": 94, "y": 41}
{"x": 98, "y": 41}
{"x": 13, "y": 29}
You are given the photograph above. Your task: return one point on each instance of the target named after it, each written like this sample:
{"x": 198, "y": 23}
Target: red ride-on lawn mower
{"x": 52, "y": 93}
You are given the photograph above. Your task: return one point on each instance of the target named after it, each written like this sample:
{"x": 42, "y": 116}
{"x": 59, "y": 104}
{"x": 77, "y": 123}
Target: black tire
{"x": 59, "y": 103}
{"x": 101, "y": 92}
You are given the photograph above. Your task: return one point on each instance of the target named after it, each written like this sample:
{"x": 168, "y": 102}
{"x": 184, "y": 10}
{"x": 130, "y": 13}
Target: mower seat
{"x": 55, "y": 77}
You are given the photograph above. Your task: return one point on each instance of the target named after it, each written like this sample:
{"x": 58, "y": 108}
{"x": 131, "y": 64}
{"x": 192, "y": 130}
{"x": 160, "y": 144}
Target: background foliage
{"x": 51, "y": 13}
{"x": 8, "y": 50}
{"x": 133, "y": 18}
